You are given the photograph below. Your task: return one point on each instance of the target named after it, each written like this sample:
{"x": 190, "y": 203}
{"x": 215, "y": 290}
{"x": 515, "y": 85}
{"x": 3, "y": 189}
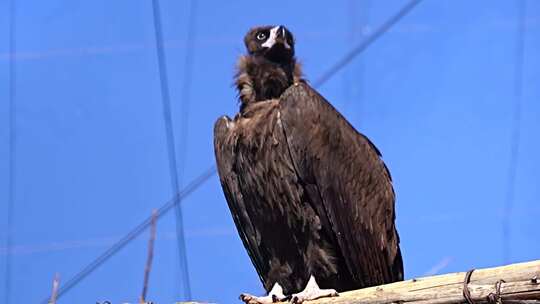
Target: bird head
{"x": 275, "y": 43}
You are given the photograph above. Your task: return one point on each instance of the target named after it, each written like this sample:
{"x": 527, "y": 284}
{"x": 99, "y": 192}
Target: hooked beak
{"x": 277, "y": 36}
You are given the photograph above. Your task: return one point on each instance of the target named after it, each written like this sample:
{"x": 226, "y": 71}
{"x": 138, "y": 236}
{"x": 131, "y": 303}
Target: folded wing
{"x": 354, "y": 186}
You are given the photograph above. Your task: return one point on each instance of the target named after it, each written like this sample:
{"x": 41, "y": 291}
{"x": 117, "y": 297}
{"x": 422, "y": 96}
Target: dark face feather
{"x": 275, "y": 43}
{"x": 269, "y": 68}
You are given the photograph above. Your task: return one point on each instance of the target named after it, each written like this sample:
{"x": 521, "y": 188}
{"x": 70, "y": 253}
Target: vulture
{"x": 310, "y": 196}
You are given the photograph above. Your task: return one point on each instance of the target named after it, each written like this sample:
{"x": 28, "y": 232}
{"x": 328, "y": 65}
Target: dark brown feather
{"x": 280, "y": 230}
{"x": 352, "y": 181}
{"x": 258, "y": 79}
{"x": 309, "y": 195}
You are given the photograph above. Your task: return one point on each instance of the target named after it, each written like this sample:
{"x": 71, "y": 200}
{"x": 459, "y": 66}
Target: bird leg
{"x": 275, "y": 295}
{"x": 312, "y": 292}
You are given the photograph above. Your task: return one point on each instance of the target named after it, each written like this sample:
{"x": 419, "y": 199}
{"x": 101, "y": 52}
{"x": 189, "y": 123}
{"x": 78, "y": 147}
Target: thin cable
{"x": 516, "y": 132}
{"x": 184, "y": 128}
{"x": 149, "y": 257}
{"x": 366, "y": 42}
{"x": 171, "y": 148}
{"x": 354, "y": 87}
{"x": 350, "y": 39}
{"x": 135, "y": 232}
{"x": 196, "y": 183}
{"x": 12, "y": 159}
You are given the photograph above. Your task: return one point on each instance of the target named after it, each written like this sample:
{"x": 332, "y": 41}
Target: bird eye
{"x": 261, "y": 36}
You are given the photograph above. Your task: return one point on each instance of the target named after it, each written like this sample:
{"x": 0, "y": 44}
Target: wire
{"x": 516, "y": 132}
{"x": 366, "y": 42}
{"x": 184, "y": 128}
{"x": 149, "y": 257}
{"x": 196, "y": 183}
{"x": 12, "y": 157}
{"x": 135, "y": 232}
{"x": 171, "y": 148}
{"x": 354, "y": 87}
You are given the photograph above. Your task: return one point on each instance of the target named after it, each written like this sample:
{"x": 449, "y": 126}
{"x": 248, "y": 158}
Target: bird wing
{"x": 352, "y": 182}
{"x": 224, "y": 148}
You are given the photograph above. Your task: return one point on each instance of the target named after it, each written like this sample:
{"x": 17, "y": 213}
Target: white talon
{"x": 275, "y": 295}
{"x": 312, "y": 292}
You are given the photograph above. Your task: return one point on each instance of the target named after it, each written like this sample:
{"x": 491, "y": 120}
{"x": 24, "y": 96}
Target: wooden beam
{"x": 520, "y": 284}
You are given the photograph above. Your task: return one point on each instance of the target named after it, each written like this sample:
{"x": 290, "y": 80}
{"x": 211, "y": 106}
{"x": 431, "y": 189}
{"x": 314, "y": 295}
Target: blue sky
{"x": 436, "y": 94}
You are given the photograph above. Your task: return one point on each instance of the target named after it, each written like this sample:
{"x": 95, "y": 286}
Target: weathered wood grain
{"x": 521, "y": 282}
{"x": 521, "y": 285}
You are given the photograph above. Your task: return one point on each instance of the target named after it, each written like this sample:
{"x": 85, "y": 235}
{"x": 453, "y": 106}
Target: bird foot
{"x": 312, "y": 292}
{"x": 275, "y": 295}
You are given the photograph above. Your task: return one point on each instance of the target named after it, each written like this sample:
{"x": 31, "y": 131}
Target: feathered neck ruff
{"x": 258, "y": 79}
